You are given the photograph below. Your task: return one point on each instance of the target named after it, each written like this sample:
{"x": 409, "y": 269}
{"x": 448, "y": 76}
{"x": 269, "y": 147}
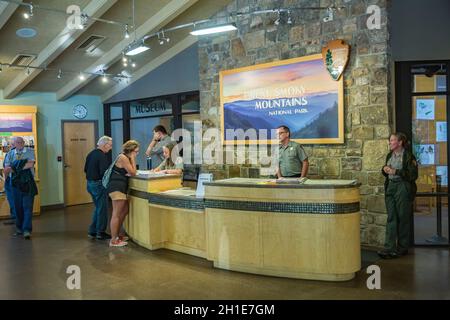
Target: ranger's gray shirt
{"x": 396, "y": 162}
{"x": 157, "y": 154}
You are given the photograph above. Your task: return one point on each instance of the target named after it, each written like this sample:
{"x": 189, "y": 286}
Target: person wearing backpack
{"x": 96, "y": 164}
{"x": 400, "y": 171}
{"x": 124, "y": 167}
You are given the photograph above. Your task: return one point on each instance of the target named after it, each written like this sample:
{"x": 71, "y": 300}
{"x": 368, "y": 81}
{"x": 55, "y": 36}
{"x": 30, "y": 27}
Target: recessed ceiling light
{"x": 26, "y": 33}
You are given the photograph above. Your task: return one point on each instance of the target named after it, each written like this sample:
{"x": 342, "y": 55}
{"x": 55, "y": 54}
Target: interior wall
{"x": 179, "y": 74}
{"x": 49, "y": 116}
{"x": 366, "y": 90}
{"x": 420, "y": 30}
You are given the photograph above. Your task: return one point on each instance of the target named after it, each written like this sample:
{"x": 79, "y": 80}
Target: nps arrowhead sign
{"x": 335, "y": 57}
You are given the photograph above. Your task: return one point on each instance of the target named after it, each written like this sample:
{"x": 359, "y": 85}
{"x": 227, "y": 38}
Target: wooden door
{"x": 78, "y": 141}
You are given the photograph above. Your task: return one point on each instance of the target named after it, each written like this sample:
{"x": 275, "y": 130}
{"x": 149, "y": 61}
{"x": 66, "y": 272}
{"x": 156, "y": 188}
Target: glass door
{"x": 429, "y": 110}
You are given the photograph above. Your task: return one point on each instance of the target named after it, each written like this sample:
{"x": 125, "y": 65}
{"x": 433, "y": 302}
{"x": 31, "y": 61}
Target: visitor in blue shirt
{"x": 8, "y": 191}
{"x": 19, "y": 164}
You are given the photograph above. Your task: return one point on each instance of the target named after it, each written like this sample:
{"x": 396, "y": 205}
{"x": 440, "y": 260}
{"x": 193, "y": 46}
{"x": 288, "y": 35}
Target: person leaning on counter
{"x": 155, "y": 148}
{"x": 293, "y": 162}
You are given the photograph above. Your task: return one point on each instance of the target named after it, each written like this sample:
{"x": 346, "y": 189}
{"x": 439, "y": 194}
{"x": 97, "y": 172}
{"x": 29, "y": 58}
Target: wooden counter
{"x": 139, "y": 224}
{"x": 307, "y": 231}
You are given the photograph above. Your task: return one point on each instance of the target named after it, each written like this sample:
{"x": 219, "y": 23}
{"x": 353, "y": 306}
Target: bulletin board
{"x": 17, "y": 121}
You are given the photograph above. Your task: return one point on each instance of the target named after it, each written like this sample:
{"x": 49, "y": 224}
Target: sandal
{"x": 117, "y": 243}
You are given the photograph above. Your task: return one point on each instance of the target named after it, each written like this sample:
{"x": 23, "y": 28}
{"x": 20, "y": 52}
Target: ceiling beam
{"x": 162, "y": 17}
{"x": 152, "y": 65}
{"x": 6, "y": 11}
{"x": 95, "y": 9}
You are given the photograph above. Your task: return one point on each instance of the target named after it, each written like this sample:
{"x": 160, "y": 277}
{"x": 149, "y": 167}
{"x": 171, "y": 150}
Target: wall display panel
{"x": 441, "y": 131}
{"x": 425, "y": 109}
{"x": 17, "y": 121}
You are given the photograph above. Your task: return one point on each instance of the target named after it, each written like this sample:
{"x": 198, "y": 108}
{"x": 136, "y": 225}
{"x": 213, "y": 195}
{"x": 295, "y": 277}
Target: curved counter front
{"x": 308, "y": 231}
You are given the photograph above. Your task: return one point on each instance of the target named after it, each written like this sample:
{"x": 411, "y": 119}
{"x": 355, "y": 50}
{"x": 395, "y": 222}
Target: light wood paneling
{"x": 304, "y": 195}
{"x": 234, "y": 237}
{"x": 181, "y": 230}
{"x": 295, "y": 245}
{"x": 138, "y": 226}
{"x": 145, "y": 226}
{"x": 311, "y": 246}
{"x": 155, "y": 185}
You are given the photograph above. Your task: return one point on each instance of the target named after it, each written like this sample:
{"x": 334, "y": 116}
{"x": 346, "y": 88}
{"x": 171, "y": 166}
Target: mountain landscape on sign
{"x": 319, "y": 122}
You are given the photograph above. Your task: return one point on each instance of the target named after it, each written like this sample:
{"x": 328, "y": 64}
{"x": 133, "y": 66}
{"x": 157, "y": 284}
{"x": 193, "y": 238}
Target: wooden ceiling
{"x": 55, "y": 46}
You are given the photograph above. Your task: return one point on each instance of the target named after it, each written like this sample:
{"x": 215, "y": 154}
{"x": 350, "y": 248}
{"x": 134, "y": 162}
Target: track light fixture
{"x": 124, "y": 60}
{"x": 213, "y": 29}
{"x": 127, "y": 34}
{"x": 136, "y": 48}
{"x": 289, "y": 20}
{"x": 284, "y": 15}
{"x": 162, "y": 38}
{"x": 104, "y": 78}
{"x": 84, "y": 20}
{"x": 29, "y": 14}
{"x": 81, "y": 74}
{"x": 277, "y": 22}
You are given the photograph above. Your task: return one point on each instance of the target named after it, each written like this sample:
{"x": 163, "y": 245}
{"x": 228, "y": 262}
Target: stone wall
{"x": 366, "y": 89}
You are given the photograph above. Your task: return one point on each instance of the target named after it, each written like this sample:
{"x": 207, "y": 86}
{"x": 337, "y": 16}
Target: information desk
{"x": 137, "y": 223}
{"x": 306, "y": 231}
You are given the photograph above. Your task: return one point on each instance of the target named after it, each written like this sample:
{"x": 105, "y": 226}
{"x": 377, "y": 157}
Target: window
{"x": 136, "y": 119}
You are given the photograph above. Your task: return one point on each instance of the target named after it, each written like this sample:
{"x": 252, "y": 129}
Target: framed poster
{"x": 425, "y": 109}
{"x": 16, "y": 122}
{"x": 441, "y": 131}
{"x": 298, "y": 93}
{"x": 425, "y": 153}
{"x": 442, "y": 171}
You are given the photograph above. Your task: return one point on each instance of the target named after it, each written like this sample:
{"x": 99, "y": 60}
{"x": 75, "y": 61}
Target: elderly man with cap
{"x": 19, "y": 164}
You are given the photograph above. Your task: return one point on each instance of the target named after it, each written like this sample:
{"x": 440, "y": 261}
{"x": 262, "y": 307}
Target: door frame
{"x": 403, "y": 118}
{"x": 95, "y": 122}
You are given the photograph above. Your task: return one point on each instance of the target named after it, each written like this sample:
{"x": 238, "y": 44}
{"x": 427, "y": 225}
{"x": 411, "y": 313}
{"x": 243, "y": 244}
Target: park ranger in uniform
{"x": 293, "y": 162}
{"x": 400, "y": 187}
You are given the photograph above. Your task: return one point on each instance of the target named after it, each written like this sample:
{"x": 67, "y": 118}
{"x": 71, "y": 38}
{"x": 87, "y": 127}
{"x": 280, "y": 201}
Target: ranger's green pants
{"x": 399, "y": 207}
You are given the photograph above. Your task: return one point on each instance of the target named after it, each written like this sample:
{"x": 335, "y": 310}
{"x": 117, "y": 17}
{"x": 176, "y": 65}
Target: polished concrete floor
{"x": 425, "y": 224}
{"x": 36, "y": 269}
